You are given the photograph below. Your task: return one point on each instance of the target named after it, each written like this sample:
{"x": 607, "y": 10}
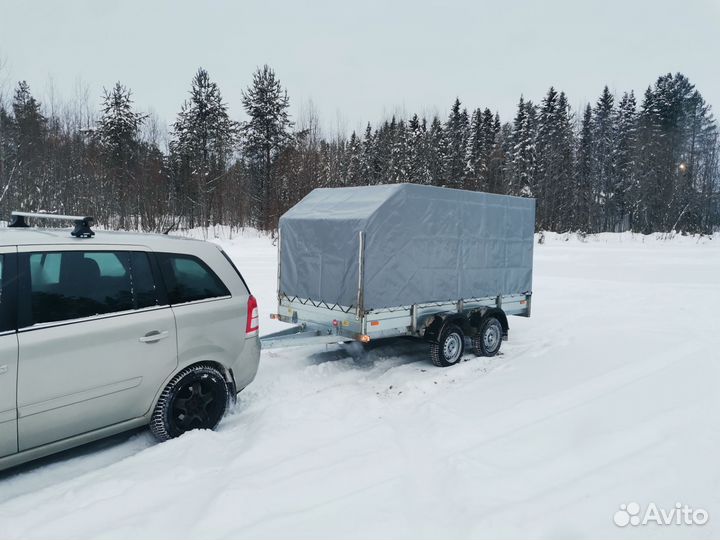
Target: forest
{"x": 645, "y": 163}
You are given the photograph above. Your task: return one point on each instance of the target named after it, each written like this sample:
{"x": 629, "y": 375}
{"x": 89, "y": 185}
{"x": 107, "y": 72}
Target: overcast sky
{"x": 363, "y": 60}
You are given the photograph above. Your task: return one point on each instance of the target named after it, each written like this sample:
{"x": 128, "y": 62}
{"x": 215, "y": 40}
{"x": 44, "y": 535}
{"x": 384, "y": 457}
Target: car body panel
{"x": 8, "y": 410}
{"x": 71, "y": 442}
{"x": 74, "y": 378}
{"x": 245, "y": 368}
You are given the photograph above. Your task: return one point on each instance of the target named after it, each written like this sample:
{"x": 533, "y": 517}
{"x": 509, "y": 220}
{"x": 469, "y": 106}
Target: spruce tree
{"x": 418, "y": 151}
{"x": 437, "y": 153}
{"x": 521, "y": 153}
{"x": 117, "y": 131}
{"x": 603, "y": 169}
{"x": 583, "y": 184}
{"x": 354, "y": 171}
{"x": 204, "y": 138}
{"x": 265, "y": 134}
{"x": 562, "y": 208}
{"x": 625, "y": 186}
{"x": 650, "y": 166}
{"x": 367, "y": 164}
{"x": 29, "y": 136}
{"x": 399, "y": 167}
{"x": 456, "y": 129}
{"x": 384, "y": 140}
{"x": 496, "y": 162}
{"x": 554, "y": 163}
{"x": 675, "y": 132}
{"x": 474, "y": 153}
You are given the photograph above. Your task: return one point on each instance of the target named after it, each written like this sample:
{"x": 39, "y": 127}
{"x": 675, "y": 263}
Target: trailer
{"x": 442, "y": 265}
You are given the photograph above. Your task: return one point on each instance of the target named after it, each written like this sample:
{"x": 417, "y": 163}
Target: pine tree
{"x": 603, "y": 171}
{"x": 6, "y": 150}
{"x": 119, "y": 125}
{"x": 367, "y": 164}
{"x": 674, "y": 125}
{"x": 265, "y": 134}
{"x": 437, "y": 153}
{"x": 474, "y": 153}
{"x": 496, "y": 159}
{"x": 30, "y": 124}
{"x": 384, "y": 140}
{"x": 418, "y": 151}
{"x": 455, "y": 145}
{"x": 562, "y": 208}
{"x": 554, "y": 163}
{"x": 29, "y": 135}
{"x": 489, "y": 134}
{"x": 204, "y": 138}
{"x": 354, "y": 161}
{"x": 399, "y": 167}
{"x": 650, "y": 167}
{"x": 583, "y": 184}
{"x": 625, "y": 187}
{"x": 521, "y": 155}
{"x": 117, "y": 132}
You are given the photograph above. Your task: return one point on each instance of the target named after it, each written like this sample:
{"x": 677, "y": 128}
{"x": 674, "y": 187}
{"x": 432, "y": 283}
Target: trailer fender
{"x": 441, "y": 320}
{"x": 477, "y": 316}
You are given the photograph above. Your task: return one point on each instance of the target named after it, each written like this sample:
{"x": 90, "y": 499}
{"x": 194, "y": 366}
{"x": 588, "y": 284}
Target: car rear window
{"x": 189, "y": 279}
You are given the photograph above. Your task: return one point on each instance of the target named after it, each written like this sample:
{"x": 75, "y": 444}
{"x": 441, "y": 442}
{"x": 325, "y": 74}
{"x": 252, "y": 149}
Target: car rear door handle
{"x": 155, "y": 335}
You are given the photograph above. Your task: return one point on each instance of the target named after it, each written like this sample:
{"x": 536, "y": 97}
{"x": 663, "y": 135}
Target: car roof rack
{"x": 82, "y": 223}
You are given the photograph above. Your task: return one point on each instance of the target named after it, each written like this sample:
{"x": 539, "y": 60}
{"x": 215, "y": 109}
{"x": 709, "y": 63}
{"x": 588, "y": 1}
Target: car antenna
{"x": 82, "y": 223}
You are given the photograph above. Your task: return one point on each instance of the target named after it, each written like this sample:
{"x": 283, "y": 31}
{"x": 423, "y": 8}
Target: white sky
{"x": 362, "y": 60}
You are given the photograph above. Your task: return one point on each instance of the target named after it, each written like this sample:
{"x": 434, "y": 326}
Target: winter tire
{"x": 196, "y": 398}
{"x": 488, "y": 340}
{"x": 449, "y": 348}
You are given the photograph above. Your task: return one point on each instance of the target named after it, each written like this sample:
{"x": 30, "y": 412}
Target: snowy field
{"x": 607, "y": 395}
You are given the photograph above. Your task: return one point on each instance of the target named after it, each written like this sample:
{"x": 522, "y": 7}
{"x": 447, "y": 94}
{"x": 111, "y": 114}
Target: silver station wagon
{"x": 101, "y": 333}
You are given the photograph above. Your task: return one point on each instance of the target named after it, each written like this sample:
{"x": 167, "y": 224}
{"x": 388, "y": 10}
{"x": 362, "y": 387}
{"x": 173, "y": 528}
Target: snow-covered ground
{"x": 607, "y": 395}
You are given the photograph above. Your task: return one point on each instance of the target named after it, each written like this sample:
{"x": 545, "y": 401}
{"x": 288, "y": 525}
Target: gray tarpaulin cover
{"x": 422, "y": 244}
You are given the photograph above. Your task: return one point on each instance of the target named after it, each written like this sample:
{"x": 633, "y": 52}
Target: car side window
{"x": 4, "y": 322}
{"x": 187, "y": 279}
{"x": 74, "y": 284}
{"x": 8, "y": 292}
{"x": 143, "y": 282}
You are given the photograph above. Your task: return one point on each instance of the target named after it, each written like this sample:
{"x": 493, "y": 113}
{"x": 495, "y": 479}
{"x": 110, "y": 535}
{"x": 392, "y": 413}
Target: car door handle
{"x": 155, "y": 335}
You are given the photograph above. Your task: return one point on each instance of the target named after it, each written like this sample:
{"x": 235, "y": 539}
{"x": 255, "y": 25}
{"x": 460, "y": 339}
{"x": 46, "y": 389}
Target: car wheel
{"x": 448, "y": 350}
{"x": 488, "y": 340}
{"x": 196, "y": 398}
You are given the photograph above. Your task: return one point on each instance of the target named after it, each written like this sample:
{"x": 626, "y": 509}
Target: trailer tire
{"x": 448, "y": 349}
{"x": 488, "y": 340}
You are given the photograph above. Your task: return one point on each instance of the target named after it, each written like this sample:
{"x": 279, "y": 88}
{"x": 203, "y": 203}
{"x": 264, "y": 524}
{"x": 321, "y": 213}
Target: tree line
{"x": 616, "y": 165}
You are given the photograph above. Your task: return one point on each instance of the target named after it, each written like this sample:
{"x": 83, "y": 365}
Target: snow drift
{"x": 607, "y": 395}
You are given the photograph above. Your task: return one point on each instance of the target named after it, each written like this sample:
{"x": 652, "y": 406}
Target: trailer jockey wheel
{"x": 449, "y": 347}
{"x": 488, "y": 340}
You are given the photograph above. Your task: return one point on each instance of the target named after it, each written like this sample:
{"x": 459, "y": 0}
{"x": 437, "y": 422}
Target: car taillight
{"x": 253, "y": 319}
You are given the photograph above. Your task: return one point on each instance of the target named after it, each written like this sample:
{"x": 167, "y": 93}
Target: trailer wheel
{"x": 448, "y": 350}
{"x": 488, "y": 340}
